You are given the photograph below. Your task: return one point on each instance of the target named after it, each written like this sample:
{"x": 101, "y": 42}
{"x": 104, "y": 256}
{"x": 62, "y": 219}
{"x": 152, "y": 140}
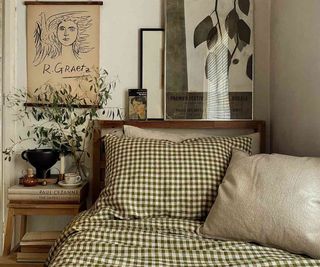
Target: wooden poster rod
{"x": 100, "y": 3}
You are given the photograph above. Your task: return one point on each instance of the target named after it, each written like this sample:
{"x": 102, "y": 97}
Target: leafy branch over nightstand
{"x": 64, "y": 121}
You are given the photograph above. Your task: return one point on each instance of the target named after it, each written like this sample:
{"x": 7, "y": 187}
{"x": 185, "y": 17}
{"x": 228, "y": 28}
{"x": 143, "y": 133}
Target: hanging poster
{"x": 209, "y": 59}
{"x": 62, "y": 46}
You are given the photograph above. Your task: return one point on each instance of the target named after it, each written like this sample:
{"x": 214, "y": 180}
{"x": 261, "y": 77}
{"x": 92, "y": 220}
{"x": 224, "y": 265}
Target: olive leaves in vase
{"x": 65, "y": 123}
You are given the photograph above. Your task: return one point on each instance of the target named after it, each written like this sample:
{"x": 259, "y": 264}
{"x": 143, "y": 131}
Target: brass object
{"x": 61, "y": 177}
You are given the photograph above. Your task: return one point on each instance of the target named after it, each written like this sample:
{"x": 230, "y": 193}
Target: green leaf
{"x": 232, "y": 23}
{"x": 212, "y": 37}
{"x": 55, "y": 144}
{"x": 202, "y": 31}
{"x": 229, "y": 58}
{"x": 250, "y": 67}
{"x": 244, "y": 6}
{"x": 244, "y": 31}
{"x": 119, "y": 113}
{"x": 241, "y": 45}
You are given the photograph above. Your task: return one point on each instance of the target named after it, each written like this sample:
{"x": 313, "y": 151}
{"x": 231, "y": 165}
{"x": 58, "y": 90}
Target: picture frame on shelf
{"x": 137, "y": 104}
{"x": 152, "y": 69}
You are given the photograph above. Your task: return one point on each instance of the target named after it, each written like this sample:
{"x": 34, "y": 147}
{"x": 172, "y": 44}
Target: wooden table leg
{"x": 8, "y": 234}
{"x": 23, "y": 226}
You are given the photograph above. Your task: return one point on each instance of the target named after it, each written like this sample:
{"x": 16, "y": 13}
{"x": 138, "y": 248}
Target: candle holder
{"x": 61, "y": 177}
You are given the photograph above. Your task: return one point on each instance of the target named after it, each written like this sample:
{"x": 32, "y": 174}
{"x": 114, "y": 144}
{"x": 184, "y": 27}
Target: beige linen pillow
{"x": 273, "y": 200}
{"x": 136, "y": 132}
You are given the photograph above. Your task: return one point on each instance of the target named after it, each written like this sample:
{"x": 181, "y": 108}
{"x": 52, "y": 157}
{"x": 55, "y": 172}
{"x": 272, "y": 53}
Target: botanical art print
{"x": 63, "y": 46}
{"x": 209, "y": 59}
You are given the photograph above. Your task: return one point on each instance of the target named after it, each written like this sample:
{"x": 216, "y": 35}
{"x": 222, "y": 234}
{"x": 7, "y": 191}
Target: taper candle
{"x": 62, "y": 164}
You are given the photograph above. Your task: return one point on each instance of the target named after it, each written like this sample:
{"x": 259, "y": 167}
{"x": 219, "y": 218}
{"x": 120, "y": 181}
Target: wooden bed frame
{"x": 98, "y": 155}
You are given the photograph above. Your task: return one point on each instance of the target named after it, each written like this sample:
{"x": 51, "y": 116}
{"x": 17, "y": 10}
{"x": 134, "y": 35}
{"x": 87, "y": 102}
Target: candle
{"x": 62, "y": 164}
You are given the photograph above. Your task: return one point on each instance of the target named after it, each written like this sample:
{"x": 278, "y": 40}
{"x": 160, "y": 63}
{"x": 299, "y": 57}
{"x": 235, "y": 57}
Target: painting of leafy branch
{"x": 211, "y": 31}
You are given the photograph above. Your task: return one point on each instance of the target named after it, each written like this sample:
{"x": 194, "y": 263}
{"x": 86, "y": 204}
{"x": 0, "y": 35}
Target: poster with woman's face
{"x": 62, "y": 45}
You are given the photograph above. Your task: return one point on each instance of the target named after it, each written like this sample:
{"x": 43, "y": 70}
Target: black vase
{"x": 42, "y": 160}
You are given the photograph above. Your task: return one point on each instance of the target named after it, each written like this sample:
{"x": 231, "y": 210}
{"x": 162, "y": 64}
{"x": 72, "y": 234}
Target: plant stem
{"x": 10, "y": 148}
{"x": 217, "y": 16}
{"x": 234, "y": 50}
{"x": 218, "y": 19}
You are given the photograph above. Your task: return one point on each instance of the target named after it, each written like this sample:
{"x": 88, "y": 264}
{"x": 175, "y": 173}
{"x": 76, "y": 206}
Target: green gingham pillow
{"x": 150, "y": 178}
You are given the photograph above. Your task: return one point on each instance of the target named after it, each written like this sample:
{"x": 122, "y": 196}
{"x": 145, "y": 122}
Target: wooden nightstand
{"x": 25, "y": 209}
{"x": 29, "y": 208}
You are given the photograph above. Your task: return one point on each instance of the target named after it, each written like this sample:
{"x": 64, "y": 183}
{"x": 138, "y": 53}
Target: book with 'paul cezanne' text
{"x": 48, "y": 193}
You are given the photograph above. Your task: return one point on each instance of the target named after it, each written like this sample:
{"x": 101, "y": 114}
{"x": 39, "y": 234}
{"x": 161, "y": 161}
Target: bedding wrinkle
{"x": 103, "y": 241}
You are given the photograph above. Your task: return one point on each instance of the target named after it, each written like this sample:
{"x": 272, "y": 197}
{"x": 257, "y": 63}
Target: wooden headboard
{"x": 98, "y": 156}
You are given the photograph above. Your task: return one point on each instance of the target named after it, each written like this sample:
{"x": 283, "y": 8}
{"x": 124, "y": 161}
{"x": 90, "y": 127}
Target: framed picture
{"x": 209, "y": 59}
{"x": 63, "y": 41}
{"x": 152, "y": 69}
{"x": 137, "y": 102}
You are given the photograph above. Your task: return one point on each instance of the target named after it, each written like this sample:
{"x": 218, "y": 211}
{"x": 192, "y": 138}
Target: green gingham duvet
{"x": 96, "y": 238}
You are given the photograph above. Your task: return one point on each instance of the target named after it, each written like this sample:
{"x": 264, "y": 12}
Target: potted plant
{"x": 63, "y": 120}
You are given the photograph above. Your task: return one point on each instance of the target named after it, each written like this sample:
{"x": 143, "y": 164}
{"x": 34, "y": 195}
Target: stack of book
{"x": 35, "y": 246}
{"x": 52, "y": 193}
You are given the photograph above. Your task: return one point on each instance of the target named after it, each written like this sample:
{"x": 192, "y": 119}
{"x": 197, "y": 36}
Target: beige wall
{"x": 1, "y": 184}
{"x": 295, "y": 77}
{"x": 261, "y": 107}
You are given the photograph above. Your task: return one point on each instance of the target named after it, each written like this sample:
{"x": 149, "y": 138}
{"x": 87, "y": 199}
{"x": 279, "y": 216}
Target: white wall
{"x": 120, "y": 24}
{"x": 295, "y": 77}
{"x": 1, "y": 184}
{"x": 8, "y": 128}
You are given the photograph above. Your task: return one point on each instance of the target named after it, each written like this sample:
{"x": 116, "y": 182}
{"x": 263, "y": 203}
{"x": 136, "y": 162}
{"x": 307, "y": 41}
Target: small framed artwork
{"x": 152, "y": 69}
{"x": 63, "y": 41}
{"x": 137, "y": 102}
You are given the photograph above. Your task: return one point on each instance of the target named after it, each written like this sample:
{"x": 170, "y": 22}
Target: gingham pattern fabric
{"x": 152, "y": 178}
{"x": 96, "y": 238}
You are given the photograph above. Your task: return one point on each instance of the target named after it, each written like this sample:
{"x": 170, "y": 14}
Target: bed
{"x": 102, "y": 237}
